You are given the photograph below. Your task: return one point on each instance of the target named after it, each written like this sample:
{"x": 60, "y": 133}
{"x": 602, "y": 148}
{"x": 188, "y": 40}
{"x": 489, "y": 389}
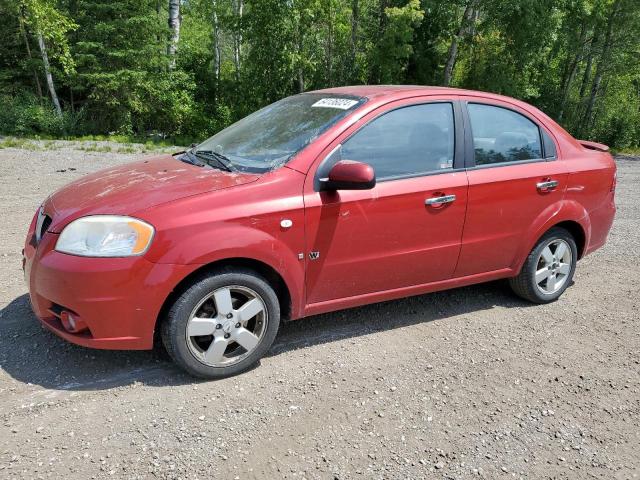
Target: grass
{"x": 635, "y": 152}
{"x": 129, "y": 139}
{"x": 95, "y": 148}
{"x": 12, "y": 142}
{"x": 92, "y": 143}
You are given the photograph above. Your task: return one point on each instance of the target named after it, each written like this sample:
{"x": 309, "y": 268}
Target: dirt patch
{"x": 469, "y": 382}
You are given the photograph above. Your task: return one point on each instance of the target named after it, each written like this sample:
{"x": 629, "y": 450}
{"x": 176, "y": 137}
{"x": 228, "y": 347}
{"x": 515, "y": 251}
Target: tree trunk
{"x": 300, "y": 80}
{"x": 453, "y": 48}
{"x": 586, "y": 77}
{"x": 600, "y": 69}
{"x": 47, "y": 73}
{"x": 158, "y": 10}
{"x": 565, "y": 91}
{"x": 595, "y": 89}
{"x": 375, "y": 74}
{"x": 355, "y": 18}
{"x": 570, "y": 71}
{"x": 329, "y": 50}
{"x": 451, "y": 60}
{"x": 300, "y": 50}
{"x": 174, "y": 25}
{"x": 216, "y": 43}
{"x": 237, "y": 36}
{"x": 26, "y": 44}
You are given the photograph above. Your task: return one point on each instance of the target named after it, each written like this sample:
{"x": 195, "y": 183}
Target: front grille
{"x": 56, "y": 309}
{"x": 45, "y": 225}
{"x": 42, "y": 224}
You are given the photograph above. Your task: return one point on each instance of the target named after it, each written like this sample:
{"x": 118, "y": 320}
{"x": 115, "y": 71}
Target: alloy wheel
{"x": 553, "y": 267}
{"x": 226, "y": 326}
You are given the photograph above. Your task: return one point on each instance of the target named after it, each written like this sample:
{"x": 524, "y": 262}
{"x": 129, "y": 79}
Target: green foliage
{"x": 121, "y": 66}
{"x": 43, "y": 16}
{"x": 395, "y": 46}
{"x": 578, "y": 60}
{"x": 26, "y": 115}
{"x": 619, "y": 124}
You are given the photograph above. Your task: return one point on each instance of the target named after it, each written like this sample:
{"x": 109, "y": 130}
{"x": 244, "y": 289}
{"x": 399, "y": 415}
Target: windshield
{"x": 270, "y": 137}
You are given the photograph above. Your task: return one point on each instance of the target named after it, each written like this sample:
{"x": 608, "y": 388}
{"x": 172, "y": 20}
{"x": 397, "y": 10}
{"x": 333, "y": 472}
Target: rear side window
{"x": 405, "y": 142}
{"x": 549, "y": 146}
{"x": 501, "y": 135}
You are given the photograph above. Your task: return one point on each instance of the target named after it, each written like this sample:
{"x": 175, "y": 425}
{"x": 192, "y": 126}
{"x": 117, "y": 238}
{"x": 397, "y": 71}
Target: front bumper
{"x": 115, "y": 302}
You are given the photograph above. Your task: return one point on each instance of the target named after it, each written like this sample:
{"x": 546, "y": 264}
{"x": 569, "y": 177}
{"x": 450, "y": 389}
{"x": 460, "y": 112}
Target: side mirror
{"x": 349, "y": 175}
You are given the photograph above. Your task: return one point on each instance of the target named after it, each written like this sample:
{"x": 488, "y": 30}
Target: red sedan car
{"x": 321, "y": 201}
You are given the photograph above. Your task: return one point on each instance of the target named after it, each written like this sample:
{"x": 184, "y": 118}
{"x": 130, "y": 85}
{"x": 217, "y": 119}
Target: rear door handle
{"x": 547, "y": 185}
{"x": 436, "y": 201}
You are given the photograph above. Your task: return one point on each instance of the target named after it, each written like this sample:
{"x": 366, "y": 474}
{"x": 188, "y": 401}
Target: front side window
{"x": 404, "y": 142}
{"x": 501, "y": 135}
{"x": 271, "y": 136}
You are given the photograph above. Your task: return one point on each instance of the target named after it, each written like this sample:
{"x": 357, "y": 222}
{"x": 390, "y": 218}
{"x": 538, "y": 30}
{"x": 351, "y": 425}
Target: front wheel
{"x": 549, "y": 268}
{"x": 222, "y": 324}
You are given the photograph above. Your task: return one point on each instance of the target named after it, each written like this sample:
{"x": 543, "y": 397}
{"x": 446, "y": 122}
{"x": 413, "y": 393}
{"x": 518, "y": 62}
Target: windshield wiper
{"x": 221, "y": 160}
{"x": 189, "y": 157}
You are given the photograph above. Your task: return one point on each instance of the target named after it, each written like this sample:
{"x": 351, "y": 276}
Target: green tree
{"x": 158, "y": 67}
{"x": 51, "y": 28}
{"x": 123, "y": 67}
{"x": 396, "y": 42}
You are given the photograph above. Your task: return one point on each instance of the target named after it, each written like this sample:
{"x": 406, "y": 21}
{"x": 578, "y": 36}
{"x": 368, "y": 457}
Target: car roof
{"x": 379, "y": 95}
{"x": 402, "y": 91}
{"x": 385, "y": 93}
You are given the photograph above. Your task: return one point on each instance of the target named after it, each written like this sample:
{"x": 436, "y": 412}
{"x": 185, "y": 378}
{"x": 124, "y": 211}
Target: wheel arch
{"x": 569, "y": 215}
{"x": 576, "y": 231}
{"x": 263, "y": 269}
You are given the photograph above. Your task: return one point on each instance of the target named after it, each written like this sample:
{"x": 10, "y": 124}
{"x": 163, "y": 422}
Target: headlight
{"x": 105, "y": 236}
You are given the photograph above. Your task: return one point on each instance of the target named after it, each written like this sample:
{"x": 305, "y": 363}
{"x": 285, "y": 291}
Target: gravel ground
{"x": 459, "y": 384}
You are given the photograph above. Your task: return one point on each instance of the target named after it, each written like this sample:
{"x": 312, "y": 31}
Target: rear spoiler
{"x": 594, "y": 146}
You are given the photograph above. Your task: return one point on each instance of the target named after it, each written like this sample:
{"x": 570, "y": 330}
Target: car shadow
{"x": 33, "y": 355}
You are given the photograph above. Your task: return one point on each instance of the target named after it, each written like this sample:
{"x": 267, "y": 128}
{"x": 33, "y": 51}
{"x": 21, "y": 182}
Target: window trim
{"x": 470, "y": 157}
{"x": 458, "y": 141}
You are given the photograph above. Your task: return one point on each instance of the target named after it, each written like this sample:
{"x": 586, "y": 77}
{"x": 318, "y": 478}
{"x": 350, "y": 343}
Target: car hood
{"x": 136, "y": 186}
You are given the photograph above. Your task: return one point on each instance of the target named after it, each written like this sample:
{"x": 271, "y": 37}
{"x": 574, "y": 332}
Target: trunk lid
{"x": 594, "y": 146}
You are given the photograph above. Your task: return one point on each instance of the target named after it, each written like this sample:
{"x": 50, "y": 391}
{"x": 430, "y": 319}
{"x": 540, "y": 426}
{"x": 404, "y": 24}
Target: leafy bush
{"x": 27, "y": 115}
{"x": 618, "y": 125}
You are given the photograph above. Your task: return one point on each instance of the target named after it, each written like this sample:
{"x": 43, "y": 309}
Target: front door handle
{"x": 438, "y": 201}
{"x": 547, "y": 185}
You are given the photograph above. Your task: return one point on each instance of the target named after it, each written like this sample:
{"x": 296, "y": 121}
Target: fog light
{"x": 71, "y": 322}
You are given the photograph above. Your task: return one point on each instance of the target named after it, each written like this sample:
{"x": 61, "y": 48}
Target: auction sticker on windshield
{"x": 341, "y": 103}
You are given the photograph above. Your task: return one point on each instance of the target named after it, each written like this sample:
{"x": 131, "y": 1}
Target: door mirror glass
{"x": 349, "y": 175}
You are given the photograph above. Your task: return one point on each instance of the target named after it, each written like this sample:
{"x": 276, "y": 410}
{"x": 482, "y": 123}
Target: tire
{"x": 553, "y": 273}
{"x": 203, "y": 317}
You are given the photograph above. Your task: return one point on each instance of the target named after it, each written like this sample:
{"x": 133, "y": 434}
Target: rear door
{"x": 514, "y": 176}
{"x": 402, "y": 232}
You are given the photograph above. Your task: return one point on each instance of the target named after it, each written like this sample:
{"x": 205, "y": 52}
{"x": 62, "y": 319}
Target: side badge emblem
{"x": 314, "y": 255}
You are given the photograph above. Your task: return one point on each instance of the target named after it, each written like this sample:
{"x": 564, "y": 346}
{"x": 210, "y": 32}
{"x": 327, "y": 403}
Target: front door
{"x": 405, "y": 231}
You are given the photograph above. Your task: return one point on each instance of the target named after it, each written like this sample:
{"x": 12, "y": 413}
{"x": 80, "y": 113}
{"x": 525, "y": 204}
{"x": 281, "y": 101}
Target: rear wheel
{"x": 549, "y": 268}
{"x": 222, "y": 324}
